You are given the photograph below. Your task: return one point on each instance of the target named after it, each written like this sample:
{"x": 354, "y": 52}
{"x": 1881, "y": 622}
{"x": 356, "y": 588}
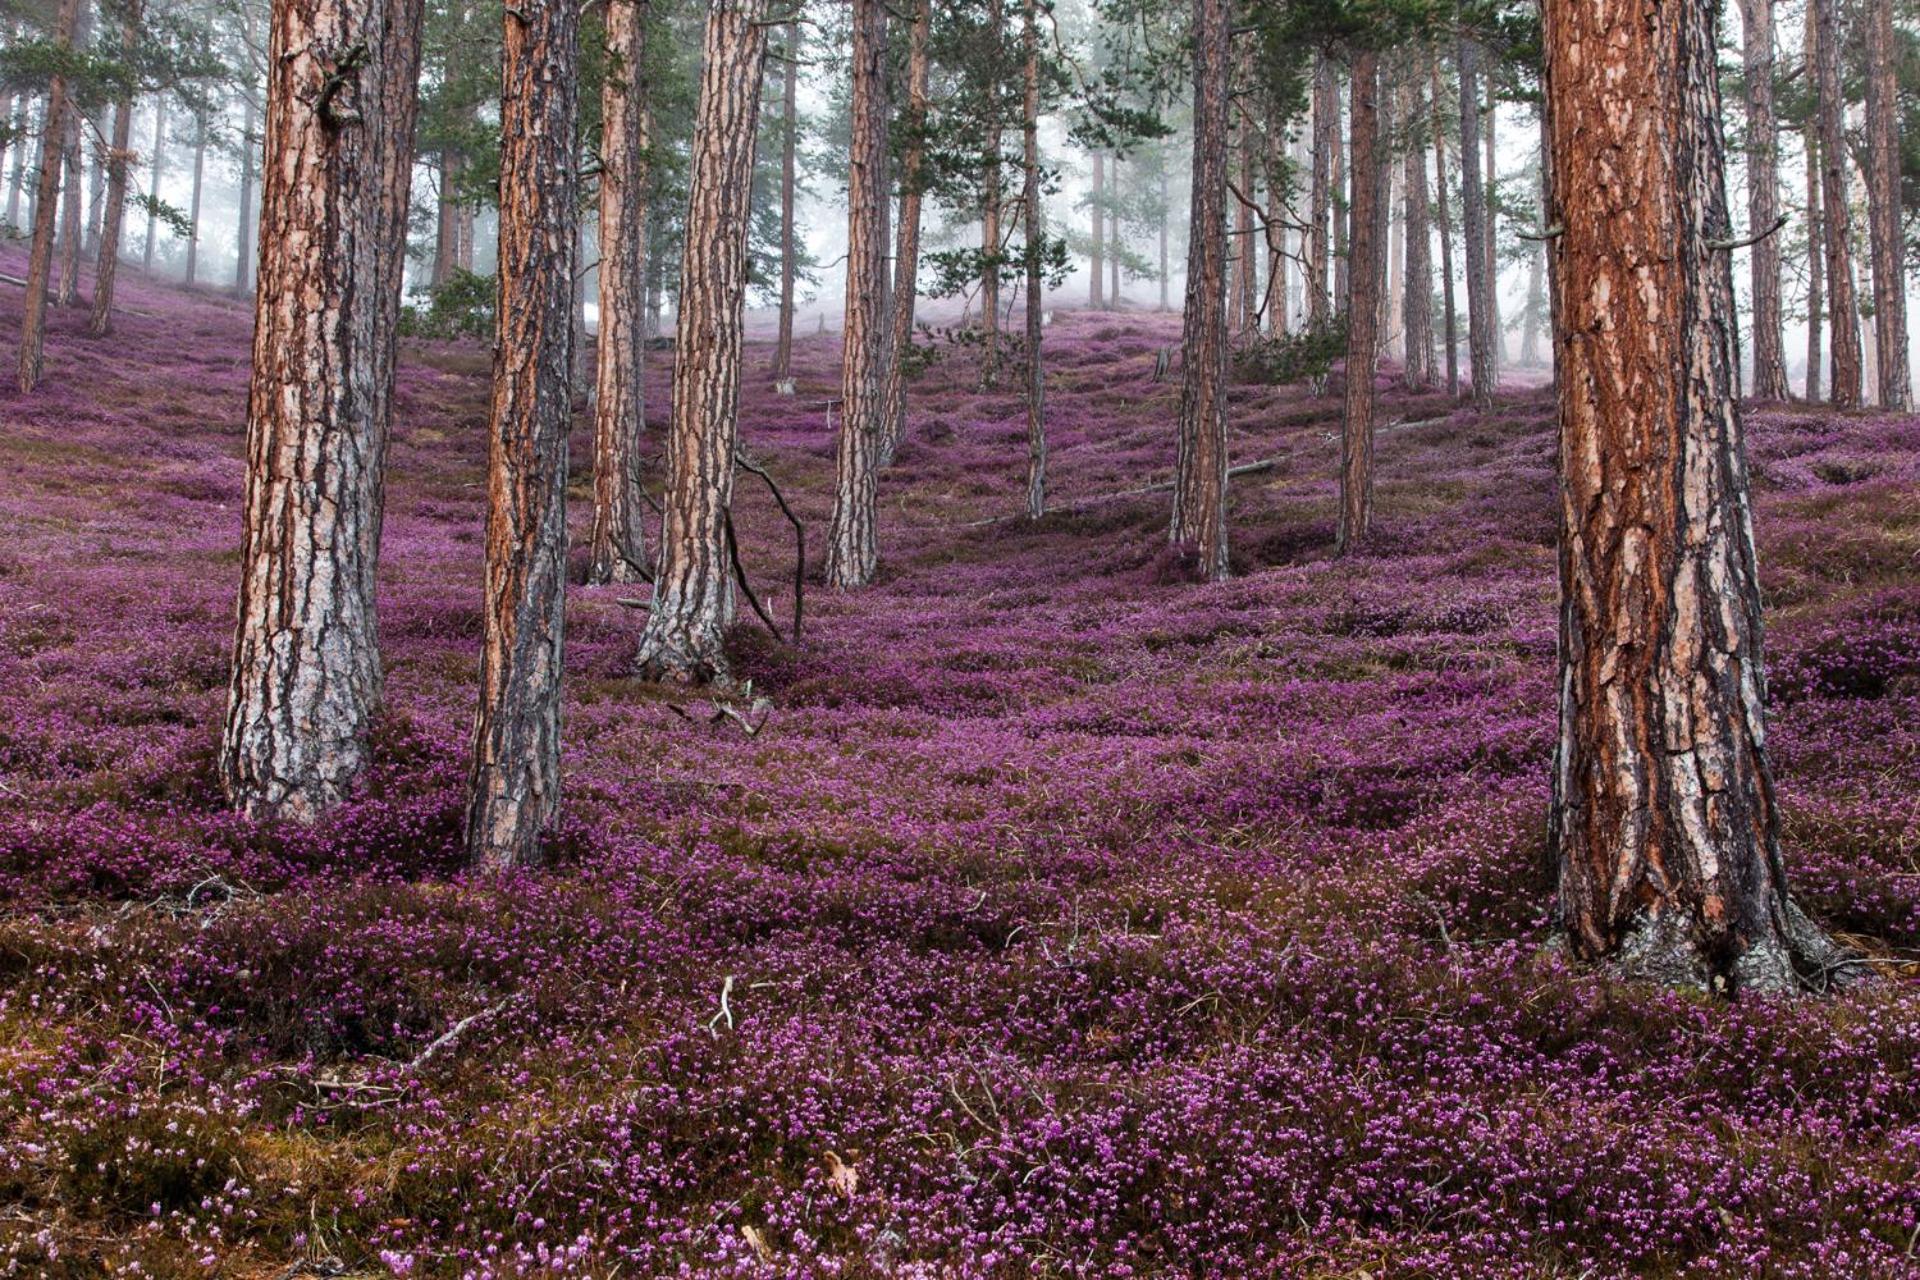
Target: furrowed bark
{"x": 617, "y": 546}
{"x": 515, "y": 783}
{"x": 1276, "y": 233}
{"x": 1884, "y": 210}
{"x": 1200, "y": 485}
{"x": 33, "y": 326}
{"x": 906, "y": 254}
{"x": 1030, "y": 208}
{"x": 119, "y": 156}
{"x": 1473, "y": 216}
{"x": 1326, "y": 113}
{"x": 1664, "y": 827}
{"x": 1763, "y": 200}
{"x": 1842, "y": 311}
{"x": 306, "y": 676}
{"x": 685, "y": 637}
{"x": 852, "y": 553}
{"x": 1363, "y": 313}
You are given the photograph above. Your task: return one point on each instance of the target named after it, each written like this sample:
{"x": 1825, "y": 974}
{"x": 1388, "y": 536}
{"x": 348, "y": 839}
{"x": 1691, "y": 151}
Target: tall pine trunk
{"x": 1363, "y": 314}
{"x": 1115, "y": 249}
{"x": 243, "y": 257}
{"x": 1490, "y": 226}
{"x": 1326, "y": 118}
{"x": 119, "y": 157}
{"x": 852, "y": 551}
{"x": 1763, "y": 200}
{"x": 789, "y": 140}
{"x": 72, "y": 223}
{"x": 1277, "y": 218}
{"x": 1030, "y": 198}
{"x": 306, "y": 677}
{"x": 1443, "y": 216}
{"x": 1200, "y": 477}
{"x": 1664, "y": 827}
{"x": 446, "y": 231}
{"x": 1096, "y": 253}
{"x": 1884, "y": 209}
{"x": 199, "y": 184}
{"x": 1165, "y": 264}
{"x": 153, "y": 177}
{"x": 618, "y": 540}
{"x": 1473, "y": 218}
{"x": 1417, "y": 276}
{"x": 990, "y": 225}
{"x": 1837, "y": 235}
{"x": 906, "y": 253}
{"x": 22, "y": 118}
{"x": 1246, "y": 273}
{"x": 685, "y": 638}
{"x": 33, "y": 325}
{"x": 515, "y": 785}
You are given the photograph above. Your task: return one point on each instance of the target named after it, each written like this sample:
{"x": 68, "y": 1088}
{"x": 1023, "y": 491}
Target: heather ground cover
{"x": 1062, "y": 918}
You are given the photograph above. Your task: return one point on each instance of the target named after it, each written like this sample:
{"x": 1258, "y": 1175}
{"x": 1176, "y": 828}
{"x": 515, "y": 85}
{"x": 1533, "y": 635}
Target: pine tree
{"x": 1884, "y": 211}
{"x": 53, "y": 129}
{"x": 306, "y": 676}
{"x": 1763, "y": 200}
{"x": 1473, "y": 231}
{"x": 1200, "y": 478}
{"x": 1363, "y": 311}
{"x": 1837, "y": 235}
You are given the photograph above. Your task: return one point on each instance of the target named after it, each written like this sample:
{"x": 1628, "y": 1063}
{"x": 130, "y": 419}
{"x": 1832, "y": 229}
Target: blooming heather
{"x": 1064, "y": 918}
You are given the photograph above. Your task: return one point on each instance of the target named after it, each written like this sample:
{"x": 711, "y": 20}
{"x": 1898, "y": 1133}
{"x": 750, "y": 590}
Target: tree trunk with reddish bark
{"x": 1884, "y": 211}
{"x": 852, "y": 552}
{"x": 1200, "y": 477}
{"x": 306, "y": 676}
{"x": 1664, "y": 826}
{"x": 1837, "y": 235}
{"x": 1444, "y": 219}
{"x": 618, "y": 542}
{"x": 515, "y": 785}
{"x": 1326, "y": 113}
{"x": 33, "y": 326}
{"x": 1763, "y": 201}
{"x": 685, "y": 637}
{"x": 1363, "y": 315}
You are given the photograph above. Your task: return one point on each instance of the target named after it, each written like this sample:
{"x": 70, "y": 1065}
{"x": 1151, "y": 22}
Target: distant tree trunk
{"x": 199, "y": 182}
{"x": 1326, "y": 112}
{"x": 1036, "y": 300}
{"x": 119, "y": 156}
{"x": 1097, "y": 265}
{"x": 1418, "y": 276}
{"x": 1763, "y": 200}
{"x": 1363, "y": 315}
{"x": 1276, "y": 230}
{"x": 446, "y": 229}
{"x": 72, "y": 224}
{"x": 100, "y": 161}
{"x": 1114, "y": 247}
{"x": 1165, "y": 267}
{"x": 1200, "y": 481}
{"x": 852, "y": 554}
{"x": 33, "y": 328}
{"x": 1664, "y": 826}
{"x": 1816, "y": 259}
{"x": 1884, "y": 211}
{"x": 243, "y": 257}
{"x": 990, "y": 229}
{"x": 1393, "y": 217}
{"x": 17, "y": 176}
{"x": 1473, "y": 206}
{"x": 789, "y": 136}
{"x": 1842, "y": 310}
{"x": 306, "y": 677}
{"x": 1246, "y": 274}
{"x": 1490, "y": 227}
{"x": 618, "y": 541}
{"x": 12, "y": 136}
{"x": 515, "y": 790}
{"x": 693, "y": 597}
{"x": 1441, "y": 206}
{"x": 153, "y": 176}
{"x": 906, "y": 254}
{"x": 1341, "y": 214}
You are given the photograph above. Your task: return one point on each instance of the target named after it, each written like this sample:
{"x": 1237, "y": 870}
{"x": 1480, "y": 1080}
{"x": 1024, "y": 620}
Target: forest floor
{"x": 1062, "y": 918}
